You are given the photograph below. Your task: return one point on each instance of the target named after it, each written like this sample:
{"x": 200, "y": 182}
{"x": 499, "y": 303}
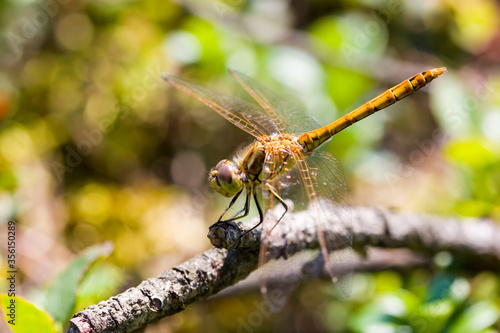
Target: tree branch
{"x": 474, "y": 242}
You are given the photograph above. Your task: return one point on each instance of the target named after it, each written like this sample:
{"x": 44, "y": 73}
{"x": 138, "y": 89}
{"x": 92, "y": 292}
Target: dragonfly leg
{"x": 261, "y": 215}
{"x": 229, "y": 206}
{"x": 276, "y": 195}
{"x": 244, "y": 210}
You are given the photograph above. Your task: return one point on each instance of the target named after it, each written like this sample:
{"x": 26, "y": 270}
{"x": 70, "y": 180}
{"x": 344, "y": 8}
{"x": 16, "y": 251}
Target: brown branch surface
{"x": 474, "y": 242}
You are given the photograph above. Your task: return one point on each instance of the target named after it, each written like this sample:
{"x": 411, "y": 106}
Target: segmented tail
{"x": 311, "y": 140}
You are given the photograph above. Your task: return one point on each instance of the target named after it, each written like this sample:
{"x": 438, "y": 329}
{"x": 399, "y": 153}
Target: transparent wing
{"x": 317, "y": 181}
{"x": 287, "y": 116}
{"x": 325, "y": 184}
{"x": 277, "y": 282}
{"x": 247, "y": 116}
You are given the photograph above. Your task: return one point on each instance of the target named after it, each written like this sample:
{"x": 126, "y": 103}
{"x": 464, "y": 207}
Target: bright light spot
{"x": 491, "y": 124}
{"x": 243, "y": 59}
{"x": 443, "y": 259}
{"x": 93, "y": 204}
{"x": 380, "y": 328}
{"x": 393, "y": 305}
{"x": 16, "y": 145}
{"x": 294, "y": 68}
{"x": 6, "y": 206}
{"x": 460, "y": 288}
{"x": 183, "y": 47}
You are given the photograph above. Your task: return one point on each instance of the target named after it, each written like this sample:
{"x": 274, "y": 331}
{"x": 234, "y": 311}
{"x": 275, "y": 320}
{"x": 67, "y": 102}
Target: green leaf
{"x": 476, "y": 318}
{"x": 25, "y": 317}
{"x": 99, "y": 283}
{"x": 61, "y": 296}
{"x": 475, "y": 153}
{"x": 366, "y": 316}
{"x": 432, "y": 317}
{"x": 354, "y": 35}
{"x": 347, "y": 98}
{"x": 473, "y": 207}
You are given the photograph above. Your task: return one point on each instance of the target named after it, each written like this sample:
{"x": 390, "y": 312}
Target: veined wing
{"x": 243, "y": 114}
{"x": 277, "y": 279}
{"x": 277, "y": 282}
{"x": 325, "y": 185}
{"x": 287, "y": 116}
{"x": 316, "y": 181}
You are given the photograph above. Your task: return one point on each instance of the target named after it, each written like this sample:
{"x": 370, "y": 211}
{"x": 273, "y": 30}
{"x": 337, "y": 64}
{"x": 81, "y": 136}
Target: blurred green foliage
{"x": 52, "y": 308}
{"x": 94, "y": 146}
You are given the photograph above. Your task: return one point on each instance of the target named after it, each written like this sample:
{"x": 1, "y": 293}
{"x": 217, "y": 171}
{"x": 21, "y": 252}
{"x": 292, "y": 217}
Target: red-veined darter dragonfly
{"x": 283, "y": 162}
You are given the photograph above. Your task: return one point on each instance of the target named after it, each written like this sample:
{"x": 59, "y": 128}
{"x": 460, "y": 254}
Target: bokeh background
{"x": 95, "y": 147}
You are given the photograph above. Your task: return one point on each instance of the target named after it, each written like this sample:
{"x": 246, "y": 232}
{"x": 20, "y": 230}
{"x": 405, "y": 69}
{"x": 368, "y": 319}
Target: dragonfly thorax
{"x": 264, "y": 159}
{"x": 269, "y": 156}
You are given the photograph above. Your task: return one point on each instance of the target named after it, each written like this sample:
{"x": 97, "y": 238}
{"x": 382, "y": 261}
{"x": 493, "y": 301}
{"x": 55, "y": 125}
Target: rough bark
{"x": 474, "y": 242}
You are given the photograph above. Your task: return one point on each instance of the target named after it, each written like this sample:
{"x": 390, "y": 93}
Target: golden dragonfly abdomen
{"x": 311, "y": 140}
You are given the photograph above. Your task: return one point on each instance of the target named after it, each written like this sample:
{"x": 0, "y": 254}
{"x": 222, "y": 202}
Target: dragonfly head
{"x": 225, "y": 178}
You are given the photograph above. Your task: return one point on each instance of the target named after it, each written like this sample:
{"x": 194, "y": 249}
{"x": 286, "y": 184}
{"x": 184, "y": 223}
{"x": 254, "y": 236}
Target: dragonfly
{"x": 283, "y": 163}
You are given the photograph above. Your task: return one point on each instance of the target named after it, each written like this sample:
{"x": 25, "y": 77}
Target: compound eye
{"x": 221, "y": 163}
{"x": 225, "y": 173}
